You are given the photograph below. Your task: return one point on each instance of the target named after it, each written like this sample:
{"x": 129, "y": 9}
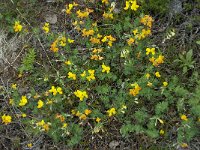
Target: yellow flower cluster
{"x": 23, "y": 101}
{"x": 156, "y": 62}
{"x": 95, "y": 55}
{"x": 105, "y": 68}
{"x": 108, "y": 15}
{"x": 45, "y": 126}
{"x": 147, "y": 20}
{"x": 71, "y": 75}
{"x": 150, "y": 50}
{"x": 109, "y": 39}
{"x": 87, "y": 32}
{"x": 46, "y": 27}
{"x": 55, "y": 90}
{"x": 69, "y": 7}
{"x": 135, "y": 91}
{"x": 131, "y": 4}
{"x": 84, "y": 14}
{"x": 17, "y": 27}
{"x": 6, "y": 119}
{"x": 82, "y": 116}
{"x": 111, "y": 111}
{"x": 81, "y": 94}
{"x": 62, "y": 41}
{"x": 91, "y": 75}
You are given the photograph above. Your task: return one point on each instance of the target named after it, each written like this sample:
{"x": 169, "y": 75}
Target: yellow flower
{"x": 82, "y": 117}
{"x": 49, "y": 102}
{"x": 17, "y": 27}
{"x": 105, "y": 68}
{"x": 23, "y": 101}
{"x": 81, "y": 94}
{"x": 104, "y": 39}
{"x": 83, "y": 14}
{"x": 135, "y": 31}
{"x": 59, "y": 90}
{"x": 127, "y": 5}
{"x": 23, "y": 115}
{"x": 29, "y": 145}
{"x": 150, "y": 50}
{"x": 131, "y": 3}
{"x": 111, "y": 112}
{"x": 14, "y": 86}
{"x": 98, "y": 119}
{"x": 63, "y": 41}
{"x": 184, "y": 145}
{"x": 91, "y": 76}
{"x": 46, "y": 127}
{"x": 87, "y": 32}
{"x": 108, "y": 15}
{"x": 147, "y": 75}
{"x": 71, "y": 75}
{"x": 135, "y": 91}
{"x": 83, "y": 74}
{"x": 68, "y": 62}
{"x": 162, "y": 132}
{"x": 40, "y": 104}
{"x": 134, "y": 5}
{"x": 11, "y": 101}
{"x": 149, "y": 84}
{"x": 36, "y": 96}
{"x": 54, "y": 47}
{"x": 165, "y": 83}
{"x": 6, "y": 119}
{"x": 159, "y": 60}
{"x": 87, "y": 111}
{"x": 53, "y": 90}
{"x": 46, "y": 27}
{"x": 70, "y": 40}
{"x": 184, "y": 118}
{"x": 147, "y": 20}
{"x": 157, "y": 74}
{"x": 41, "y": 123}
{"x": 94, "y": 40}
{"x": 64, "y": 125}
{"x": 130, "y": 41}
{"x": 104, "y": 1}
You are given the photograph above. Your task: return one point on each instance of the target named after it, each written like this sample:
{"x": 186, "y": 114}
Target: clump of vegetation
{"x": 105, "y": 70}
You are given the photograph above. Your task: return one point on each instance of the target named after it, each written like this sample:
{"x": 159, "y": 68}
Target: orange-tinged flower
{"x": 87, "y": 112}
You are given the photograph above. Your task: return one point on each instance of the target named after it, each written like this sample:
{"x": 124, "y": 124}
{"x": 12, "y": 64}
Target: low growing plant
{"x": 104, "y": 69}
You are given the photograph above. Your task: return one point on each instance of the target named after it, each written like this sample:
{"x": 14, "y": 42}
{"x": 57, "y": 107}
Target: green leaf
{"x": 161, "y": 107}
